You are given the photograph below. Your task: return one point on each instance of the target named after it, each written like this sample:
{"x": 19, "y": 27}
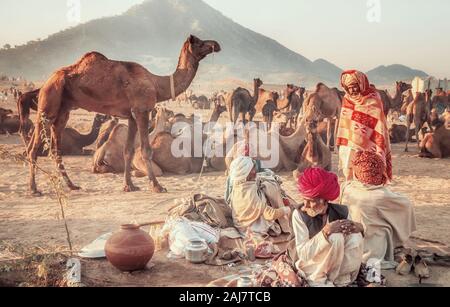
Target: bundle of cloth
{"x": 253, "y": 219}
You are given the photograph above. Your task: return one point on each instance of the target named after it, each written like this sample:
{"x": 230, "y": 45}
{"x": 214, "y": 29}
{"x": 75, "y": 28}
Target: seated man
{"x": 328, "y": 245}
{"x": 250, "y": 205}
{"x": 388, "y": 218}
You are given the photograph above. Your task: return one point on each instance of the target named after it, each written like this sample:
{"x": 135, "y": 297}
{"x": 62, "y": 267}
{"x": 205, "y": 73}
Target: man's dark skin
{"x": 353, "y": 89}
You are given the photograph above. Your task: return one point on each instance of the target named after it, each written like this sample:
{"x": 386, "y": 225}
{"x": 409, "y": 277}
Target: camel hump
{"x": 95, "y": 55}
{"x": 319, "y": 86}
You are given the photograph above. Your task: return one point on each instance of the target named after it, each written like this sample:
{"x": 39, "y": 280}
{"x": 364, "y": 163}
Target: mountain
{"x": 152, "y": 34}
{"x": 390, "y": 74}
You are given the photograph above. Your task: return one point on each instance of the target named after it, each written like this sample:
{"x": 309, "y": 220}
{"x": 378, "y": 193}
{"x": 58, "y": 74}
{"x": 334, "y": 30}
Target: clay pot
{"x": 130, "y": 249}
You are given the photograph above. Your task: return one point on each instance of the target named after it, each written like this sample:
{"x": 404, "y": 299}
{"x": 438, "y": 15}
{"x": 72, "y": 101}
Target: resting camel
{"x": 10, "y": 124}
{"x": 121, "y": 89}
{"x": 418, "y": 113}
{"x": 315, "y": 153}
{"x": 243, "y": 103}
{"x": 397, "y": 134}
{"x": 73, "y": 142}
{"x": 109, "y": 157}
{"x": 105, "y": 132}
{"x": 4, "y": 113}
{"x": 327, "y": 104}
{"x": 289, "y": 145}
{"x": 163, "y": 155}
{"x": 440, "y": 102}
{"x": 436, "y": 144}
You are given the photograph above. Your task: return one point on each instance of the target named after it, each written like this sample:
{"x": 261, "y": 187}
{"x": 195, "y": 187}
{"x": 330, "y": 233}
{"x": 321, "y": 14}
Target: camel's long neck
{"x": 215, "y": 116}
{"x": 255, "y": 93}
{"x": 182, "y": 78}
{"x": 159, "y": 127}
{"x": 90, "y": 138}
{"x": 398, "y": 97}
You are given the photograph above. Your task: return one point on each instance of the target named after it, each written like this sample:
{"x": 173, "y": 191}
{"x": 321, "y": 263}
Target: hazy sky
{"x": 411, "y": 32}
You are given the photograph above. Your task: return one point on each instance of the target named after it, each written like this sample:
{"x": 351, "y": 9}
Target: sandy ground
{"x": 101, "y": 207}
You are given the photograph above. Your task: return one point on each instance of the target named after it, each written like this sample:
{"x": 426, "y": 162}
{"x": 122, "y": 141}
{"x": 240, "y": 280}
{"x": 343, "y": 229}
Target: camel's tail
{"x": 25, "y": 103}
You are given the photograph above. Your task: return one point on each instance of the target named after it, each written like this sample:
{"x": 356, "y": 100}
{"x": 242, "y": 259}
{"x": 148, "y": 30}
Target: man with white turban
{"x": 250, "y": 206}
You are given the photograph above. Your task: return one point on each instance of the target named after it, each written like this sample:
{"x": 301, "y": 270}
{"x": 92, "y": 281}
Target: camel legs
{"x": 146, "y": 150}
{"x": 57, "y": 129}
{"x": 408, "y": 127}
{"x": 128, "y": 155}
{"x": 32, "y": 158}
{"x": 419, "y": 126}
{"x": 330, "y": 134}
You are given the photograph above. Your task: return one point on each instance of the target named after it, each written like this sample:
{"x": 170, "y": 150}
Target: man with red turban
{"x": 388, "y": 218}
{"x": 362, "y": 124}
{"x": 329, "y": 246}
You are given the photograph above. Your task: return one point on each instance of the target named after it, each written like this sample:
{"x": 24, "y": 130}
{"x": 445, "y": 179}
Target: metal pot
{"x": 245, "y": 282}
{"x": 196, "y": 251}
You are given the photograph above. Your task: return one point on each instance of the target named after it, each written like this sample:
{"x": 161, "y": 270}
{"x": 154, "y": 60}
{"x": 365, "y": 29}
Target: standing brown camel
{"x": 393, "y": 103}
{"x": 116, "y": 88}
{"x": 297, "y": 104}
{"x": 263, "y": 97}
{"x": 242, "y": 102}
{"x": 315, "y": 153}
{"x": 326, "y": 103}
{"x": 417, "y": 113}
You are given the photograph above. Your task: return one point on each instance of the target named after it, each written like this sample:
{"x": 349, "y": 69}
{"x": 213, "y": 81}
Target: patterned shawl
{"x": 362, "y": 125}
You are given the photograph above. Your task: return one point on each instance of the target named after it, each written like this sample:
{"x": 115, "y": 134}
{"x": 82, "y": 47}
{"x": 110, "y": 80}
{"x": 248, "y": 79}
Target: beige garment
{"x": 346, "y": 155}
{"x": 388, "y": 218}
{"x": 274, "y": 194}
{"x": 327, "y": 262}
{"x": 249, "y": 206}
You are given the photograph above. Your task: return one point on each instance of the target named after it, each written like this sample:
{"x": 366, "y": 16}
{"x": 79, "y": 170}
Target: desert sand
{"x": 101, "y": 206}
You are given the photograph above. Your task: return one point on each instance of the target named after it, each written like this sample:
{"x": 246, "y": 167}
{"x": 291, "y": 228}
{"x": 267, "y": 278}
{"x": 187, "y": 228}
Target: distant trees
{"x": 6, "y": 46}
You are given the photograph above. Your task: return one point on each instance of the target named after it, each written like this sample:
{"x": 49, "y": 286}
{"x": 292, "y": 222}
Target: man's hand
{"x": 345, "y": 227}
{"x": 332, "y": 228}
{"x": 287, "y": 211}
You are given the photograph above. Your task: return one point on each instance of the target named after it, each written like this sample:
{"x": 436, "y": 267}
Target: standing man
{"x": 362, "y": 125}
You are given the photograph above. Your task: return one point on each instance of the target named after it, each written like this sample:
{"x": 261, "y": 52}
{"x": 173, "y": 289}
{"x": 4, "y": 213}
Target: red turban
{"x": 318, "y": 183}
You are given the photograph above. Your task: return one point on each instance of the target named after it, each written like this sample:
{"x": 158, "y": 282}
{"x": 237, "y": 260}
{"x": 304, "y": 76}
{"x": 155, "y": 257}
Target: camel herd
{"x": 142, "y": 148}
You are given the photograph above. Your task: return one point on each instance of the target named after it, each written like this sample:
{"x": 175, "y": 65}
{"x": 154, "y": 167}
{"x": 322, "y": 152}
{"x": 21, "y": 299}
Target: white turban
{"x": 240, "y": 168}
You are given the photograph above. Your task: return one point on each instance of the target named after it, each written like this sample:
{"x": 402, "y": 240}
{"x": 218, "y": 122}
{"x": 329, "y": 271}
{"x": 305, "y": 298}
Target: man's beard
{"x": 313, "y": 213}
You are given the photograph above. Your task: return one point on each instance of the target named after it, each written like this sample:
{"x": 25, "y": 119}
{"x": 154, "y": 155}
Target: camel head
{"x": 301, "y": 91}
{"x": 290, "y": 89}
{"x": 199, "y": 49}
{"x": 258, "y": 82}
{"x": 311, "y": 126}
{"x": 402, "y": 86}
{"x": 428, "y": 95}
{"x": 101, "y": 119}
{"x": 4, "y": 113}
{"x": 275, "y": 96}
